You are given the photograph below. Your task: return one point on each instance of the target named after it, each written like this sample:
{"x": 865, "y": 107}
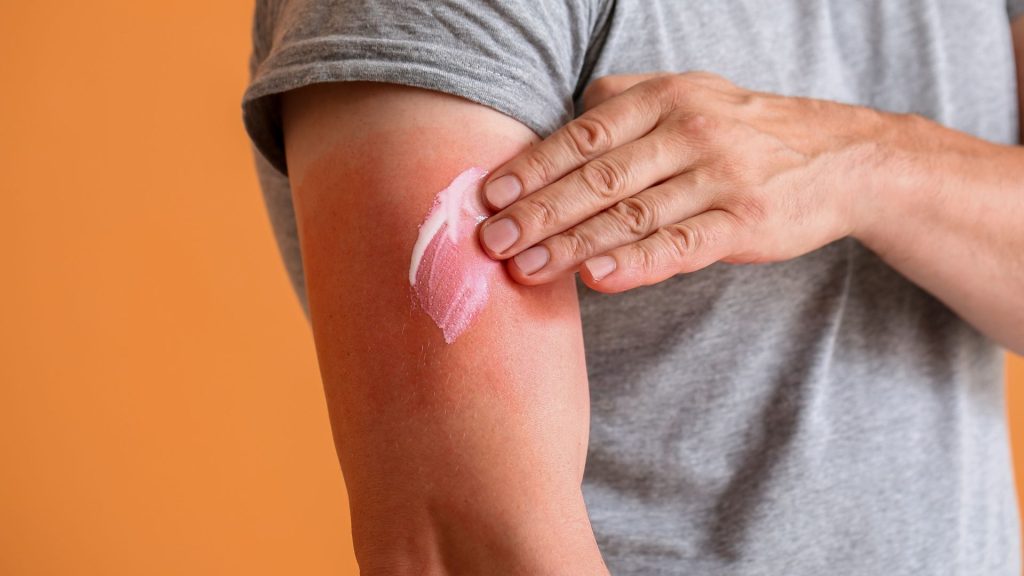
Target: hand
{"x": 669, "y": 173}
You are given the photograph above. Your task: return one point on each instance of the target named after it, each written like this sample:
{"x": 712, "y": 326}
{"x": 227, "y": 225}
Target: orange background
{"x": 160, "y": 405}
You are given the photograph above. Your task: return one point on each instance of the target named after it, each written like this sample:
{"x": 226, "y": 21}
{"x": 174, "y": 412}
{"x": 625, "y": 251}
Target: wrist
{"x": 897, "y": 168}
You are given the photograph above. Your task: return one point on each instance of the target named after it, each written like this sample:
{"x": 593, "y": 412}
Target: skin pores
{"x": 450, "y": 274}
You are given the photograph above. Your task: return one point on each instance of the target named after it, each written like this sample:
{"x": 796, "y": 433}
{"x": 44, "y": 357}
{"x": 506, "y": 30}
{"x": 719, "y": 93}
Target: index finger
{"x": 606, "y": 87}
{"x": 620, "y": 119}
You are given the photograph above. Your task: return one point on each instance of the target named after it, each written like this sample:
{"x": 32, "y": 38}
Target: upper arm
{"x": 365, "y": 162}
{"x": 1018, "y": 50}
{"x": 415, "y": 418}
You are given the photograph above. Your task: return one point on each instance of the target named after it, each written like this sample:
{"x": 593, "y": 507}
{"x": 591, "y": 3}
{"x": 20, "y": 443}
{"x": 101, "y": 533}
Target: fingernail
{"x": 500, "y": 235}
{"x": 503, "y": 191}
{"x": 600, "y": 266}
{"x": 529, "y": 261}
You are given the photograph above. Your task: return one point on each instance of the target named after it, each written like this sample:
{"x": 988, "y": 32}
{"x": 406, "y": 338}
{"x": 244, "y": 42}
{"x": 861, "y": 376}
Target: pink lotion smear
{"x": 450, "y": 274}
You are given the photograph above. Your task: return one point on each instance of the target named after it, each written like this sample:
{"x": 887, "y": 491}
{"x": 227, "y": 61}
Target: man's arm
{"x": 1018, "y": 50}
{"x": 673, "y": 172}
{"x": 459, "y": 458}
{"x": 951, "y": 220}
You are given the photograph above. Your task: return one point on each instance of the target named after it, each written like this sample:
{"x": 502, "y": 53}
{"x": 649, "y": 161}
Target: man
{"x": 799, "y": 371}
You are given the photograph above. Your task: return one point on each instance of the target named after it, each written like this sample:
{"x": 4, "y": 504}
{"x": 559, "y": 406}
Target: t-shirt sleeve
{"x": 1016, "y": 8}
{"x": 520, "y": 57}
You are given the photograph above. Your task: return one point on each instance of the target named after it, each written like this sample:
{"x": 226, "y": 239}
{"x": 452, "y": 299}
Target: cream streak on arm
{"x": 449, "y": 273}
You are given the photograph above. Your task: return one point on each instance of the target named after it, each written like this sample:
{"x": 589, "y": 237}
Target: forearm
{"x": 946, "y": 210}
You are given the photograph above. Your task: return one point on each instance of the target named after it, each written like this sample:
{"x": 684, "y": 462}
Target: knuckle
{"x": 645, "y": 259}
{"x": 684, "y": 239}
{"x": 667, "y": 82}
{"x": 675, "y": 87}
{"x": 576, "y": 244}
{"x": 539, "y": 167}
{"x": 543, "y": 212}
{"x": 635, "y": 214}
{"x": 589, "y": 135}
{"x": 657, "y": 94}
{"x": 695, "y": 127}
{"x": 695, "y": 133}
{"x": 605, "y": 177}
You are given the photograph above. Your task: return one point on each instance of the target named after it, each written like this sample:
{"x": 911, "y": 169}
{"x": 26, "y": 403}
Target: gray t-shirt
{"x": 817, "y": 416}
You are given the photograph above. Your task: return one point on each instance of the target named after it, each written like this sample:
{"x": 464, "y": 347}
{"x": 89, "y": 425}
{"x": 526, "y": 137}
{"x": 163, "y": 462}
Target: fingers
{"x": 596, "y": 185}
{"x": 629, "y": 220}
{"x": 617, "y": 121}
{"x": 674, "y": 249}
{"x": 606, "y": 87}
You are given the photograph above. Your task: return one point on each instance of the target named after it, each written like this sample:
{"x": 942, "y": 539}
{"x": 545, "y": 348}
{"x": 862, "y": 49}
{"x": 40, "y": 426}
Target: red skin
{"x": 453, "y": 277}
{"x": 468, "y": 455}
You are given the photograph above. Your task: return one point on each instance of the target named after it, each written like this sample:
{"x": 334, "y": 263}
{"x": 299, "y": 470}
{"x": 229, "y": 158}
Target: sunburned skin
{"x": 449, "y": 273}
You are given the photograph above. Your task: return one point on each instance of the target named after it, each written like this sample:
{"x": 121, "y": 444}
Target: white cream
{"x": 449, "y": 273}
{"x": 447, "y": 207}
